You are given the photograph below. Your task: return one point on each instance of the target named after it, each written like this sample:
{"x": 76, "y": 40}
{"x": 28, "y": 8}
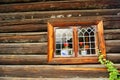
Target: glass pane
{"x": 64, "y": 42}
{"x": 86, "y": 36}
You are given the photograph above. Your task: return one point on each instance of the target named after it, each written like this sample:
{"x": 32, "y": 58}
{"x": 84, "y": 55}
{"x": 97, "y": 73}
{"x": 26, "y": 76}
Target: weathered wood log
{"x": 14, "y": 26}
{"x": 75, "y": 78}
{"x": 42, "y": 37}
{"x": 114, "y": 57}
{"x": 23, "y": 48}
{"x": 18, "y": 1}
{"x": 23, "y": 37}
{"x": 24, "y": 28}
{"x": 23, "y": 59}
{"x": 112, "y": 34}
{"x": 112, "y": 24}
{"x": 57, "y": 14}
{"x": 25, "y": 1}
{"x": 41, "y": 48}
{"x": 44, "y": 21}
{"x": 61, "y": 5}
{"x": 113, "y": 46}
{"x": 52, "y": 71}
{"x": 42, "y": 59}
{"x": 22, "y": 22}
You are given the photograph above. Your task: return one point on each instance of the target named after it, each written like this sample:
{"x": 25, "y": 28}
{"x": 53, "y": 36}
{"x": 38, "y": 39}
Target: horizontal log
{"x": 23, "y": 59}
{"x": 113, "y": 46}
{"x": 23, "y": 28}
{"x": 112, "y": 34}
{"x": 23, "y": 48}
{"x": 42, "y": 37}
{"x": 112, "y": 18}
{"x": 112, "y": 42}
{"x": 112, "y": 24}
{"x": 57, "y": 14}
{"x": 112, "y": 31}
{"x": 42, "y": 59}
{"x": 41, "y": 48}
{"x": 51, "y": 71}
{"x": 23, "y": 37}
{"x": 44, "y": 21}
{"x": 23, "y": 78}
{"x": 22, "y": 22}
{"x": 26, "y": 1}
{"x": 114, "y": 57}
{"x": 19, "y": 1}
{"x": 61, "y": 5}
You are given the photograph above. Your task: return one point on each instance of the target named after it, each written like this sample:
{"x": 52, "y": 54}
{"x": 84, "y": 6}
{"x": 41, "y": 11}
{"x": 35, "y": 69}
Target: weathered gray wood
{"x": 57, "y": 14}
{"x": 23, "y": 48}
{"x": 23, "y": 37}
{"x": 113, "y": 46}
{"x": 115, "y": 57}
{"x": 22, "y": 22}
{"x": 112, "y": 24}
{"x": 61, "y": 5}
{"x": 112, "y": 34}
{"x": 24, "y": 28}
{"x": 44, "y": 21}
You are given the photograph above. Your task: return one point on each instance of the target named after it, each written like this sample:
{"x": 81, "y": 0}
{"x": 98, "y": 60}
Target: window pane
{"x": 86, "y": 36}
{"x": 63, "y": 42}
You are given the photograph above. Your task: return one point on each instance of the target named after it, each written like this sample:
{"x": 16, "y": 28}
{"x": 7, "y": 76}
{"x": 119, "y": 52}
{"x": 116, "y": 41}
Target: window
{"x": 74, "y": 41}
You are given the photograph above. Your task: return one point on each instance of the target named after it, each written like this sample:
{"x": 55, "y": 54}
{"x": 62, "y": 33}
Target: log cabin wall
{"x": 23, "y": 36}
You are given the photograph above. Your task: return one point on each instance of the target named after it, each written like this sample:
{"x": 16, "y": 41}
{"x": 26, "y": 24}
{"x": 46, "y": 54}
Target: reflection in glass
{"x": 86, "y": 36}
{"x": 64, "y": 42}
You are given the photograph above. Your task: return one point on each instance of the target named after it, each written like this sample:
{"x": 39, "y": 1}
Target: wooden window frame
{"x": 74, "y": 22}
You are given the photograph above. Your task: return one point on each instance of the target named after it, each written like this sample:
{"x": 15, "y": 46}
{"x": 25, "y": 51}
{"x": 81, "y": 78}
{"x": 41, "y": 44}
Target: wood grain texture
{"x": 41, "y": 48}
{"x": 23, "y": 48}
{"x": 61, "y": 5}
{"x": 113, "y": 46}
{"x": 24, "y": 28}
{"x": 23, "y": 37}
{"x": 57, "y": 14}
{"x": 112, "y": 34}
{"x": 49, "y": 71}
{"x": 41, "y": 59}
{"x": 23, "y": 59}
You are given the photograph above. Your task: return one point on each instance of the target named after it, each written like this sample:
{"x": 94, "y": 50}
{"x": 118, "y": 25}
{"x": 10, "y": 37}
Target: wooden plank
{"x": 55, "y": 71}
{"x": 23, "y": 37}
{"x": 57, "y": 14}
{"x": 23, "y": 48}
{"x": 23, "y": 28}
{"x": 61, "y": 5}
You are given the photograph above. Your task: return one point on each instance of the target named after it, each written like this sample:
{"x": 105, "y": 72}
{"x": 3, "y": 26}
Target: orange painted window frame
{"x": 73, "y": 22}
